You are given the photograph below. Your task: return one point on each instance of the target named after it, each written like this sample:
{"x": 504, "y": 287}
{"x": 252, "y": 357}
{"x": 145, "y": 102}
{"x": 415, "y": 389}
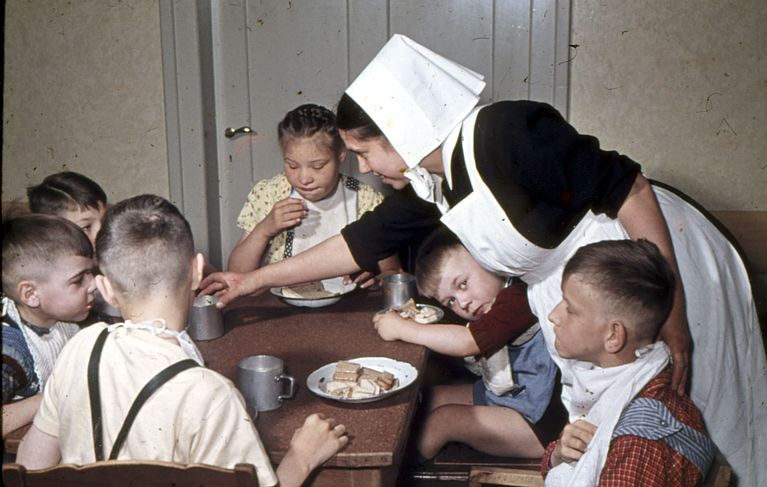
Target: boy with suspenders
{"x": 142, "y": 380}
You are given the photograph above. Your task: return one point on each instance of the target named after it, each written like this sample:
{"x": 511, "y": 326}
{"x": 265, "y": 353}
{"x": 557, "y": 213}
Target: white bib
{"x": 43, "y": 348}
{"x": 325, "y": 218}
{"x": 599, "y": 396}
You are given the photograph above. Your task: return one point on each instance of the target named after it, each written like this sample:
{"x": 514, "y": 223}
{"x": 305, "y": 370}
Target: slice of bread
{"x": 352, "y": 381}
{"x": 309, "y": 290}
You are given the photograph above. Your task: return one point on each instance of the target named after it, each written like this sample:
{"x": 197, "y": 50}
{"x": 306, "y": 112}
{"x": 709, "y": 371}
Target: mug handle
{"x": 291, "y": 388}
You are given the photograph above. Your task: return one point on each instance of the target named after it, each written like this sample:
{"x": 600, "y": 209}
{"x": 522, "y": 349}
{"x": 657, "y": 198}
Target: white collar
{"x": 183, "y": 338}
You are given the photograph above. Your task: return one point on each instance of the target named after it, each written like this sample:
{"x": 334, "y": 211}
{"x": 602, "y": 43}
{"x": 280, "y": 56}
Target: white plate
{"x": 440, "y": 313}
{"x": 335, "y": 285}
{"x": 403, "y": 371}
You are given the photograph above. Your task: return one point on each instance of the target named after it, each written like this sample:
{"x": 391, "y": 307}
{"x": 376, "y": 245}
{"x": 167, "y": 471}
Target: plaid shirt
{"x": 633, "y": 460}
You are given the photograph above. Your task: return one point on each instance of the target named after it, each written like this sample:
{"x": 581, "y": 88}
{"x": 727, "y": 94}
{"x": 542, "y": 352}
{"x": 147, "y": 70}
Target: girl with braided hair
{"x": 307, "y": 203}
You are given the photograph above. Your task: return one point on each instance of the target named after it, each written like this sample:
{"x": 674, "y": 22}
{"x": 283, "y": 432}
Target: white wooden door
{"x": 256, "y": 60}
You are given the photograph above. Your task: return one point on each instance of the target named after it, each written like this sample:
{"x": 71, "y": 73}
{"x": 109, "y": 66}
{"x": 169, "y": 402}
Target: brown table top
{"x": 306, "y": 339}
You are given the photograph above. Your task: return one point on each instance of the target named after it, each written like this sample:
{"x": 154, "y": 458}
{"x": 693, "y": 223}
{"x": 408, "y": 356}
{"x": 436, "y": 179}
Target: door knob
{"x": 230, "y": 132}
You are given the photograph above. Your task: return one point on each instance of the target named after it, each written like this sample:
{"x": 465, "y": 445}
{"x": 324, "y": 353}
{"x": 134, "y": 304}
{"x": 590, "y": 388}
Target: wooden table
{"x": 305, "y": 339}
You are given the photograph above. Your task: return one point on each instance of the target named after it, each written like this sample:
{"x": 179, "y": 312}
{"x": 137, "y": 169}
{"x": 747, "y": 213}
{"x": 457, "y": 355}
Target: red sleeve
{"x": 509, "y": 317}
{"x": 638, "y": 461}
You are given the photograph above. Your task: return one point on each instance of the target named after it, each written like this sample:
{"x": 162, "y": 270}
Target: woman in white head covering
{"x": 523, "y": 190}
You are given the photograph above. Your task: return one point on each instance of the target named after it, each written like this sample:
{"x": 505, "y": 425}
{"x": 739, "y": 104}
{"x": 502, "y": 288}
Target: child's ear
{"x": 616, "y": 337}
{"x": 198, "y": 264}
{"x": 107, "y": 291}
{"x": 342, "y": 154}
{"x": 27, "y": 292}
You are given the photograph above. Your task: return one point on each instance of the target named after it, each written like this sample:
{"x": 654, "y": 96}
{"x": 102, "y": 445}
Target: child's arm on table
{"x": 17, "y": 414}
{"x": 313, "y": 443}
{"x": 447, "y": 339}
{"x": 247, "y": 254}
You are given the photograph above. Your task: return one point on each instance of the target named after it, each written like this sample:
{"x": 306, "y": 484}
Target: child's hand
{"x": 390, "y": 324}
{"x": 575, "y": 439}
{"x": 285, "y": 214}
{"x": 318, "y": 439}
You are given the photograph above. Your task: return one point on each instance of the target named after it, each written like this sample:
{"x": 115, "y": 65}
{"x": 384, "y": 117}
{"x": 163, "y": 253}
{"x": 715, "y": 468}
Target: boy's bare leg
{"x": 450, "y": 394}
{"x": 495, "y": 430}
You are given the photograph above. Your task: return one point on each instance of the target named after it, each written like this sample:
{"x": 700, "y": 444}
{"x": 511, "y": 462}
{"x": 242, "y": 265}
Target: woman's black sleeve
{"x": 402, "y": 218}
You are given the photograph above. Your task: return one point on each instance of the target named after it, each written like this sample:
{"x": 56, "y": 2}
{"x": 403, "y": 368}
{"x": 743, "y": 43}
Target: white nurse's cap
{"x": 415, "y": 96}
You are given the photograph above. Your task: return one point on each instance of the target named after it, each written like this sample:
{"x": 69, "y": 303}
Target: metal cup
{"x": 260, "y": 379}
{"x": 398, "y": 289}
{"x": 206, "y": 322}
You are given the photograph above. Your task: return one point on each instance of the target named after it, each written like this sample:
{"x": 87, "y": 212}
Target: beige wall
{"x": 83, "y": 91}
{"x": 679, "y": 86}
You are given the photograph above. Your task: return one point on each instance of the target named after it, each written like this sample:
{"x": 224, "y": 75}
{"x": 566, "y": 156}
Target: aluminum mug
{"x": 260, "y": 378}
{"x": 206, "y": 322}
{"x": 398, "y": 289}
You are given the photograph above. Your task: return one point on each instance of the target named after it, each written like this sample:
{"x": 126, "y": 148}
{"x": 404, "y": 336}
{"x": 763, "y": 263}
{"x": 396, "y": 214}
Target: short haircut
{"x": 33, "y": 242}
{"x": 432, "y": 255}
{"x": 309, "y": 120}
{"x": 145, "y": 245}
{"x": 350, "y": 116}
{"x": 633, "y": 279}
{"x": 65, "y": 191}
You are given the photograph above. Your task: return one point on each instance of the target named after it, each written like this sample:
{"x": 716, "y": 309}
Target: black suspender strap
{"x": 95, "y": 394}
{"x": 157, "y": 381}
{"x": 146, "y": 392}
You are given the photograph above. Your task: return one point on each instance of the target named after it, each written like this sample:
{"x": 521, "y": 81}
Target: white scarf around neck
{"x": 599, "y": 396}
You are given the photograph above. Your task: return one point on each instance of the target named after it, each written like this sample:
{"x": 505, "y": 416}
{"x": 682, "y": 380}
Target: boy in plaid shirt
{"x": 628, "y": 426}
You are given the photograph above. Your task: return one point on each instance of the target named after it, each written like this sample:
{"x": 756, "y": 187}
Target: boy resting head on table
{"x": 48, "y": 286}
{"x": 150, "y": 270}
{"x": 628, "y": 426}
{"x": 510, "y": 412}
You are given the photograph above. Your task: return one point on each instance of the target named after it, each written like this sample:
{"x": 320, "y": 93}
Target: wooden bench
{"x": 126, "y": 473}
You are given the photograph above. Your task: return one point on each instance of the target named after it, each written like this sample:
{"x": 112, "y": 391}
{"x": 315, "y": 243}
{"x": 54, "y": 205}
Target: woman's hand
{"x": 575, "y": 439}
{"x": 285, "y": 214}
{"x": 364, "y": 279}
{"x": 229, "y": 286}
{"x": 390, "y": 324}
{"x": 676, "y": 334}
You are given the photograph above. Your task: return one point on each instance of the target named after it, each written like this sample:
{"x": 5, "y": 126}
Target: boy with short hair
{"x": 150, "y": 272}
{"x": 48, "y": 285}
{"x": 628, "y": 426}
{"x": 72, "y": 196}
{"x": 510, "y": 412}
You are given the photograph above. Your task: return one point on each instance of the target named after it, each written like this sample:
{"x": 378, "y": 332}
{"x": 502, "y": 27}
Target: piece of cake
{"x": 347, "y": 371}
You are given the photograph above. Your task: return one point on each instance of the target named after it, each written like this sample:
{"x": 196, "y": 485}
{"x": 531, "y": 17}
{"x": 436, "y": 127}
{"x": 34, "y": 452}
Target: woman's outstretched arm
{"x": 328, "y": 259}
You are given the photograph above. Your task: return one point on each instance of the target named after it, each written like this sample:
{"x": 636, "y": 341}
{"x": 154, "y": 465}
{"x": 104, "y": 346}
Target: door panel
{"x": 269, "y": 56}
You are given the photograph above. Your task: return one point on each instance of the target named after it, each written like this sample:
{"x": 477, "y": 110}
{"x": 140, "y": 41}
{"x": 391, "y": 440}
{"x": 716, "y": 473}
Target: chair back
{"x": 124, "y": 473}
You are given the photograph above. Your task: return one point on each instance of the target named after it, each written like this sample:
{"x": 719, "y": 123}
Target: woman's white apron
{"x": 729, "y": 371}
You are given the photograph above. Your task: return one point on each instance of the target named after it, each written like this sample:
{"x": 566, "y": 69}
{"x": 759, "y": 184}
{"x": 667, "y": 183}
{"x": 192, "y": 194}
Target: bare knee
{"x": 441, "y": 426}
{"x": 450, "y": 394}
